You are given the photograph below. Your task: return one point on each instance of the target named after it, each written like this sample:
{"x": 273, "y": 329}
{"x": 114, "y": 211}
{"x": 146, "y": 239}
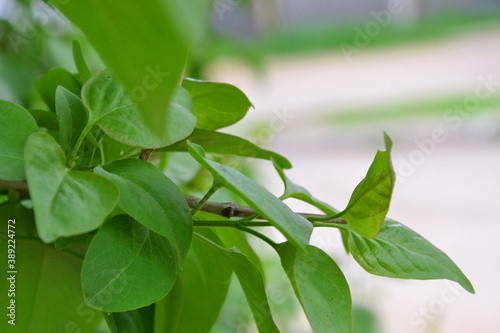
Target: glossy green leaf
{"x": 66, "y": 202}
{"x": 147, "y": 53}
{"x": 116, "y": 113}
{"x": 252, "y": 284}
{"x": 133, "y": 321}
{"x": 320, "y": 287}
{"x": 370, "y": 200}
{"x": 55, "y": 77}
{"x": 48, "y": 289}
{"x": 16, "y": 125}
{"x": 294, "y": 227}
{"x": 216, "y": 105}
{"x": 72, "y": 117}
{"x": 84, "y": 72}
{"x": 45, "y": 119}
{"x": 400, "y": 252}
{"x": 205, "y": 281}
{"x": 127, "y": 266}
{"x": 227, "y": 144}
{"x": 152, "y": 199}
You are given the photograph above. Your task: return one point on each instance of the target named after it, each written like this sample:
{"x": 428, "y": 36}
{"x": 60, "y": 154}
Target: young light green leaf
{"x": 66, "y": 203}
{"x": 204, "y": 281}
{"x": 16, "y": 125}
{"x": 134, "y": 321}
{"x": 320, "y": 287}
{"x": 147, "y": 53}
{"x": 152, "y": 199}
{"x": 50, "y": 283}
{"x": 370, "y": 200}
{"x": 115, "y": 111}
{"x": 55, "y": 77}
{"x": 72, "y": 117}
{"x": 251, "y": 282}
{"x": 294, "y": 227}
{"x": 216, "y": 105}
{"x": 127, "y": 266}
{"x": 399, "y": 252}
{"x": 45, "y": 119}
{"x": 84, "y": 72}
{"x": 227, "y": 144}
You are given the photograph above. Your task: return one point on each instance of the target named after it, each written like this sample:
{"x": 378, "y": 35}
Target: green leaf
{"x": 168, "y": 310}
{"x": 127, "y": 266}
{"x": 48, "y": 289}
{"x": 216, "y": 105}
{"x": 16, "y": 125}
{"x": 62, "y": 242}
{"x": 370, "y": 200}
{"x": 400, "y": 252}
{"x": 116, "y": 113}
{"x": 72, "y": 117}
{"x": 232, "y": 237}
{"x": 84, "y": 72}
{"x": 222, "y": 143}
{"x": 152, "y": 199}
{"x": 45, "y": 119}
{"x": 133, "y": 321}
{"x": 320, "y": 287}
{"x": 48, "y": 84}
{"x": 205, "y": 281}
{"x": 251, "y": 282}
{"x": 147, "y": 53}
{"x": 66, "y": 202}
{"x": 294, "y": 227}
{"x": 364, "y": 320}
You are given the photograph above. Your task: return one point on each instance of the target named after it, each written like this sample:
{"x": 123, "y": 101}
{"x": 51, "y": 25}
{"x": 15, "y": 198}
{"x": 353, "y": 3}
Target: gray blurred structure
{"x": 250, "y": 17}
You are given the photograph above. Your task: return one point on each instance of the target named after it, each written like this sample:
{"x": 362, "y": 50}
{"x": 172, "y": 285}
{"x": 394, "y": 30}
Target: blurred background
{"x": 326, "y": 79}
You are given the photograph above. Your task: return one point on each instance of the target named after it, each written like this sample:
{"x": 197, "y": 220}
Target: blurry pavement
{"x": 451, "y": 196}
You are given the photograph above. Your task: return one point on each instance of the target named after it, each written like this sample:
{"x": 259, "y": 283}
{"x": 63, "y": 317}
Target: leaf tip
{"x": 387, "y": 141}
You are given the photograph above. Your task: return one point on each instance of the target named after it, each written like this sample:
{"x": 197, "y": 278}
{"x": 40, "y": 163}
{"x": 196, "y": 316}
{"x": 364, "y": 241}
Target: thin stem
{"x": 129, "y": 153}
{"x": 101, "y": 151}
{"x": 259, "y": 235}
{"x": 73, "y": 253}
{"x": 229, "y": 209}
{"x": 330, "y": 225}
{"x": 215, "y": 187}
{"x": 79, "y": 143}
{"x": 230, "y": 223}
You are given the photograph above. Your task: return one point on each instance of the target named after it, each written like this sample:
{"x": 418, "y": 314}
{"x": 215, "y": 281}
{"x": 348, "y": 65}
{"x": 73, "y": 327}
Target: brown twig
{"x": 230, "y": 209}
{"x": 224, "y": 209}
